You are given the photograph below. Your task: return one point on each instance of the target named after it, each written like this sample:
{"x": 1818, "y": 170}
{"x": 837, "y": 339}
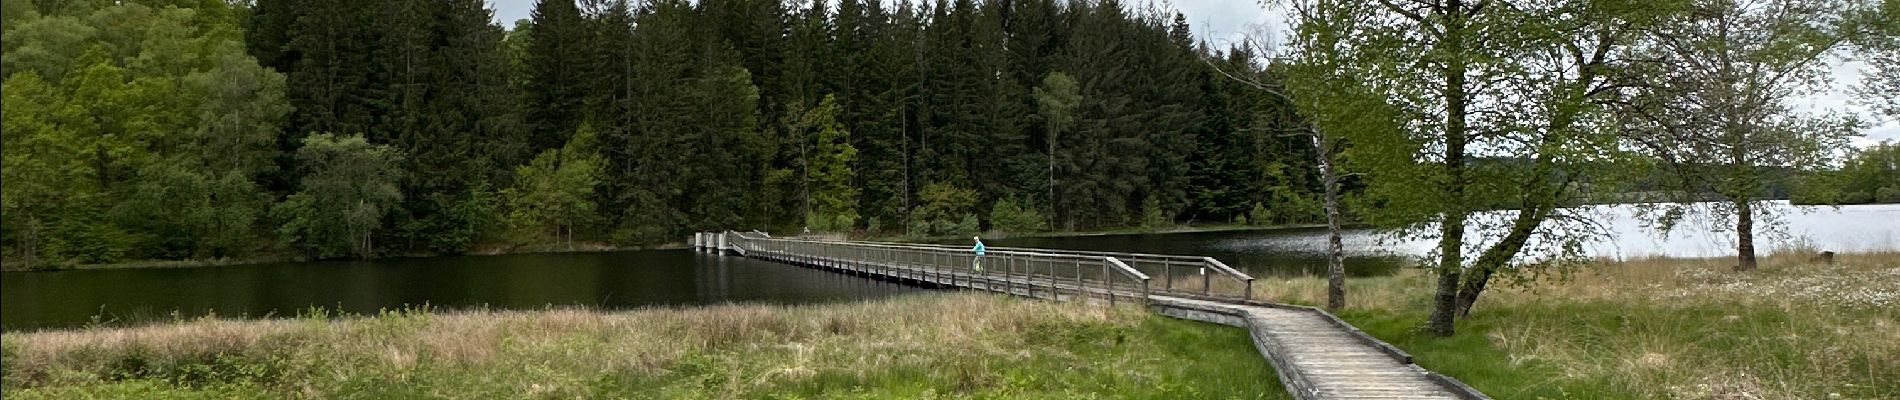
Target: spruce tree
{"x": 556, "y": 73}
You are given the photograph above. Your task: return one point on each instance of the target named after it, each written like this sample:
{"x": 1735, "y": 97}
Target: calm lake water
{"x": 614, "y": 280}
{"x": 1857, "y": 228}
{"x": 33, "y": 300}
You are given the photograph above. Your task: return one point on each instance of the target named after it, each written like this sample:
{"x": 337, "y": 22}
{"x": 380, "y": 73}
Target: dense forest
{"x": 190, "y": 129}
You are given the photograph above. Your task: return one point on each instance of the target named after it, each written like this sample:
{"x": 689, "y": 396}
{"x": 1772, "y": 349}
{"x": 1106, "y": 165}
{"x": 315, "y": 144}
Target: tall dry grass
{"x": 976, "y": 344}
{"x": 1798, "y": 328}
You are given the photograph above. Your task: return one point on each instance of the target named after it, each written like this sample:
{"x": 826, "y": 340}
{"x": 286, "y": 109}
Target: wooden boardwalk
{"x": 1316, "y": 355}
{"x": 1319, "y": 357}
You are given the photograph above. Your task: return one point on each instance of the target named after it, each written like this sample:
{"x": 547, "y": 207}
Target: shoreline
{"x": 602, "y": 247}
{"x": 902, "y": 238}
{"x": 228, "y": 262}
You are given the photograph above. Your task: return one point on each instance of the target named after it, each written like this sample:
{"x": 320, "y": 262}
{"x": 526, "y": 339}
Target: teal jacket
{"x": 979, "y": 249}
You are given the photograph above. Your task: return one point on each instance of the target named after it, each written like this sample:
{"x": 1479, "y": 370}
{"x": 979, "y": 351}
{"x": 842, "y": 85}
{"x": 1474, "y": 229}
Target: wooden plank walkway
{"x": 1316, "y": 355}
{"x": 1318, "y": 358}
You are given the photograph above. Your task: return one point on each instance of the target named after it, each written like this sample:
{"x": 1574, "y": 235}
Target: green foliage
{"x": 82, "y": 234}
{"x": 1875, "y": 32}
{"x": 1452, "y": 109}
{"x": 152, "y": 120}
{"x": 340, "y": 203}
{"x": 834, "y": 199}
{"x": 1859, "y": 180}
{"x": 946, "y": 210}
{"x": 1008, "y": 216}
{"x": 1056, "y": 100}
{"x": 1260, "y": 215}
{"x": 1292, "y": 206}
{"x": 556, "y": 58}
{"x": 555, "y": 192}
{"x": 173, "y": 122}
{"x": 1153, "y": 215}
{"x": 1888, "y": 195}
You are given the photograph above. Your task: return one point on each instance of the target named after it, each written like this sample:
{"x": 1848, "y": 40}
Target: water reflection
{"x": 608, "y": 280}
{"x": 1370, "y": 252}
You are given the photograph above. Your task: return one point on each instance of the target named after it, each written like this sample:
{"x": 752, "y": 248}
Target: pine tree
{"x": 556, "y": 73}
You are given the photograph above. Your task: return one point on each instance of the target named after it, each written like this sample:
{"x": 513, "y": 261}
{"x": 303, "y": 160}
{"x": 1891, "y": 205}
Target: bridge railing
{"x": 1019, "y": 271}
{"x": 1192, "y": 275}
{"x": 1171, "y": 274}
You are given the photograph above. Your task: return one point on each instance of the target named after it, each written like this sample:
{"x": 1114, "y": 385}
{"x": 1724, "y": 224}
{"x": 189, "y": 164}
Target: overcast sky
{"x": 1225, "y": 21}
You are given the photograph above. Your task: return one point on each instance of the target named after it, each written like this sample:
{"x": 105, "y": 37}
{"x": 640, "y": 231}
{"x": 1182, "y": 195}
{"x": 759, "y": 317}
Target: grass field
{"x": 926, "y": 346}
{"x": 1655, "y": 328}
{"x": 1641, "y": 329}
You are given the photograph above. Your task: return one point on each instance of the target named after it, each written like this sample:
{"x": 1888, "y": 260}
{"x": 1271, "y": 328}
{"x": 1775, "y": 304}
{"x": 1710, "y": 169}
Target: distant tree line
{"x": 1871, "y": 175}
{"x": 174, "y": 129}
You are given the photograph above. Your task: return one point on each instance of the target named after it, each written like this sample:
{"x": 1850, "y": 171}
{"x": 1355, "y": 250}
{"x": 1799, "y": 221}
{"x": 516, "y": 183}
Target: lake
{"x": 619, "y": 280}
{"x": 1858, "y": 228}
{"x": 613, "y": 280}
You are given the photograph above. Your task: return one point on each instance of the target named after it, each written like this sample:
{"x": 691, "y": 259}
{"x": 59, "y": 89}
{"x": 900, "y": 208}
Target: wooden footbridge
{"x": 1316, "y": 355}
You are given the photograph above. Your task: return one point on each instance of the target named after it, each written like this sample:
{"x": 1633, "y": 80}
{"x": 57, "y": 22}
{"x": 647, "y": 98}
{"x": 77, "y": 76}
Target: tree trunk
{"x": 1498, "y": 255}
{"x": 1474, "y": 283}
{"x": 1452, "y": 229}
{"x": 1445, "y": 299}
{"x": 1052, "y": 179}
{"x": 31, "y": 243}
{"x": 1336, "y": 251}
{"x": 1744, "y": 235}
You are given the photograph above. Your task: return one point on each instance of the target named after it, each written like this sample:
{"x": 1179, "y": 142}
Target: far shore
{"x": 593, "y": 247}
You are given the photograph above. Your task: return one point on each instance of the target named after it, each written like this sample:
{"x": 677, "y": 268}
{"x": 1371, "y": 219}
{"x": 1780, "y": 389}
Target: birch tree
{"x": 1720, "y": 114}
{"x": 1494, "y": 105}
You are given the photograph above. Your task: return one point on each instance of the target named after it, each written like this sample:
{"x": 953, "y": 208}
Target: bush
{"x": 1857, "y": 197}
{"x": 1007, "y": 216}
{"x": 946, "y": 210}
{"x": 1153, "y": 216}
{"x": 918, "y": 228}
{"x": 840, "y": 222}
{"x": 84, "y": 236}
{"x": 1260, "y": 215}
{"x": 1890, "y": 194}
{"x": 965, "y": 227}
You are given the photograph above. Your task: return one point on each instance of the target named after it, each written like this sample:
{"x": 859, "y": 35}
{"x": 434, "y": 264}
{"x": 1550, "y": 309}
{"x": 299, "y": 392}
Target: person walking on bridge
{"x": 976, "y": 263}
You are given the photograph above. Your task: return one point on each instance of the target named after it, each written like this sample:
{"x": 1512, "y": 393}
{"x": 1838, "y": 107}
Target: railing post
{"x": 1167, "y": 280}
{"x": 1207, "y": 282}
{"x": 1009, "y": 280}
{"x": 1078, "y": 280}
{"x": 1249, "y": 294}
{"x": 1055, "y": 290}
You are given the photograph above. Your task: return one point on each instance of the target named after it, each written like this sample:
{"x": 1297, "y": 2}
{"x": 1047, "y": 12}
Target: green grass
{"x": 1657, "y": 328}
{"x": 1474, "y": 360}
{"x": 927, "y": 346}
